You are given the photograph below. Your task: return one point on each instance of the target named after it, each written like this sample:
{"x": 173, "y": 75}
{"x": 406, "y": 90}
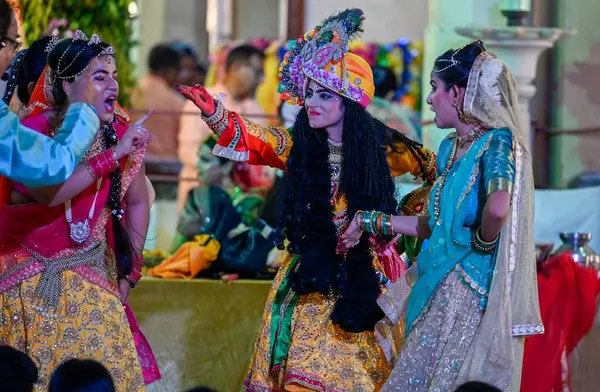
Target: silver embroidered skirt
{"x": 437, "y": 345}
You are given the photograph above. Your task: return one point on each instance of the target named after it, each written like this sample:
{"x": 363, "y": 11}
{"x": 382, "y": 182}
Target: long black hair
{"x": 70, "y": 57}
{"x": 7, "y": 13}
{"x": 306, "y": 214}
{"x": 31, "y": 67}
{"x": 453, "y": 66}
{"x": 26, "y": 68}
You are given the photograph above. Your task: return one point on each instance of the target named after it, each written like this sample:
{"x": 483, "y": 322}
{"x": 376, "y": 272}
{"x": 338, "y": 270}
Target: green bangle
{"x": 367, "y": 220}
{"x": 374, "y": 222}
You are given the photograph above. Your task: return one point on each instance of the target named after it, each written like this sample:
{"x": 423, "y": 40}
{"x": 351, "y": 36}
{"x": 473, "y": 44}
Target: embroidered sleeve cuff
{"x": 499, "y": 184}
{"x": 219, "y": 121}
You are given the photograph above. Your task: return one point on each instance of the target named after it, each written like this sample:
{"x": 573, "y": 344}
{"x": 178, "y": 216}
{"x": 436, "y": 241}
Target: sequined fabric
{"x": 88, "y": 320}
{"x": 321, "y": 356}
{"x": 438, "y": 344}
{"x": 90, "y": 323}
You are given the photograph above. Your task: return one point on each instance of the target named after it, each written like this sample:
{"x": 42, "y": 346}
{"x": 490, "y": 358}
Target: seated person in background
{"x": 192, "y": 71}
{"x": 78, "y": 375}
{"x": 227, "y": 209}
{"x": 243, "y": 74}
{"x": 18, "y": 372}
{"x": 155, "y": 91}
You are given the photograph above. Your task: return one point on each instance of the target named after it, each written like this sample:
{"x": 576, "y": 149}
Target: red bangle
{"x": 136, "y": 274}
{"x": 103, "y": 164}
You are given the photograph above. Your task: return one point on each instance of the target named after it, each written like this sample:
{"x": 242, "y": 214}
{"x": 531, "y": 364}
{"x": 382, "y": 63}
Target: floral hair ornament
{"x": 323, "y": 55}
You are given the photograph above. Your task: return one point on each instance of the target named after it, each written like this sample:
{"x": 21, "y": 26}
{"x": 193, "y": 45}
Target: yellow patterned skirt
{"x": 90, "y": 324}
{"x": 321, "y": 356}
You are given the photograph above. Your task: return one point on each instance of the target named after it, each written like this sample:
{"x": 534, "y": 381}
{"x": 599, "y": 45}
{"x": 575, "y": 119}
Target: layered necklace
{"x": 460, "y": 141}
{"x": 335, "y": 159}
{"x": 471, "y": 137}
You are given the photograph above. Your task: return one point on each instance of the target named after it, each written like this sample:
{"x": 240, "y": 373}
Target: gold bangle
{"x": 358, "y": 220}
{"x": 389, "y": 224}
{"x": 481, "y": 245}
{"x": 492, "y": 242}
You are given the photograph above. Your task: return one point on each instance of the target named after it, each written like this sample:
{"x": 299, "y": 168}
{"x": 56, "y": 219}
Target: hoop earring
{"x": 461, "y": 114}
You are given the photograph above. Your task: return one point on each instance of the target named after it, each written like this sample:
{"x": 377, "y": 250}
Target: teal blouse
{"x": 488, "y": 166}
{"x": 33, "y": 159}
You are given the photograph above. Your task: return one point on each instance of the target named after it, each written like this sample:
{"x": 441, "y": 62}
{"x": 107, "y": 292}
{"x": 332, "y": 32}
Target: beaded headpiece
{"x": 452, "y": 61}
{"x": 13, "y": 71}
{"x": 322, "y": 55}
{"x": 61, "y": 71}
{"x": 51, "y": 44}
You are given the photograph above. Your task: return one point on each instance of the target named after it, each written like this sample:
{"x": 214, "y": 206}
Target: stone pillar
{"x": 520, "y": 48}
{"x": 577, "y": 97}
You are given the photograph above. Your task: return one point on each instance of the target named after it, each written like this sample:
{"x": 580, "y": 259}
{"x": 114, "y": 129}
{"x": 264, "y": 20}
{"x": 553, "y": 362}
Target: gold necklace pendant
{"x": 470, "y": 138}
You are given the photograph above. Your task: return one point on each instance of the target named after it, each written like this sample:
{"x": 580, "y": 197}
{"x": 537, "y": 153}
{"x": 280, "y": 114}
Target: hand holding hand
{"x": 351, "y": 237}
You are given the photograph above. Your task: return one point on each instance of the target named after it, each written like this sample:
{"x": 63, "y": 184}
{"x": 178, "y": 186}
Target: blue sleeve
{"x": 36, "y": 160}
{"x": 499, "y": 163}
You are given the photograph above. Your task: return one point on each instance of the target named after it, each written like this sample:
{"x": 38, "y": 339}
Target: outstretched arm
{"x": 239, "y": 138}
{"x": 33, "y": 159}
{"x": 377, "y": 223}
{"x": 99, "y": 166}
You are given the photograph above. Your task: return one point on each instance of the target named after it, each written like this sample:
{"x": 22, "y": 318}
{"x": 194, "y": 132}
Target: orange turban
{"x": 322, "y": 55}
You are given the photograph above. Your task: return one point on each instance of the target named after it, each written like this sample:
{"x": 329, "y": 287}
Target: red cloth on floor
{"x": 568, "y": 305}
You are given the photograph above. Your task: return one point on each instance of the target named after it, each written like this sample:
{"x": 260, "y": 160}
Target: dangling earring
{"x": 461, "y": 114}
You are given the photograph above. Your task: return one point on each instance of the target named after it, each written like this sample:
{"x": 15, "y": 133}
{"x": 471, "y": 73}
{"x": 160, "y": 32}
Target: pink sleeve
{"x": 38, "y": 123}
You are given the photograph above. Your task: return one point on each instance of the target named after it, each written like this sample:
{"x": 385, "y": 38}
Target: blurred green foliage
{"x": 107, "y": 18}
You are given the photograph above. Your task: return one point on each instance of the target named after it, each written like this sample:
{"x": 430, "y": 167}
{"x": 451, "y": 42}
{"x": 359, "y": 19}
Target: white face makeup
{"x": 323, "y": 107}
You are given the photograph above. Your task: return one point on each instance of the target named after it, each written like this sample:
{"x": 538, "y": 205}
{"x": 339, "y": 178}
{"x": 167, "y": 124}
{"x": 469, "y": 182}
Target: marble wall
{"x": 577, "y": 92}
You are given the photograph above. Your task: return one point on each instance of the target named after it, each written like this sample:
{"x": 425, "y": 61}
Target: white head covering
{"x": 513, "y": 309}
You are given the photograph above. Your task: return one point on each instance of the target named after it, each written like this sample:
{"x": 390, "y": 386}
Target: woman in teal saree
{"x": 470, "y": 298}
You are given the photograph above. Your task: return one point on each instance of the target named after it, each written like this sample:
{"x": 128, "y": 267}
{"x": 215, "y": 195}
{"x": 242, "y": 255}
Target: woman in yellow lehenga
{"x": 317, "y": 331}
{"x": 70, "y": 253}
